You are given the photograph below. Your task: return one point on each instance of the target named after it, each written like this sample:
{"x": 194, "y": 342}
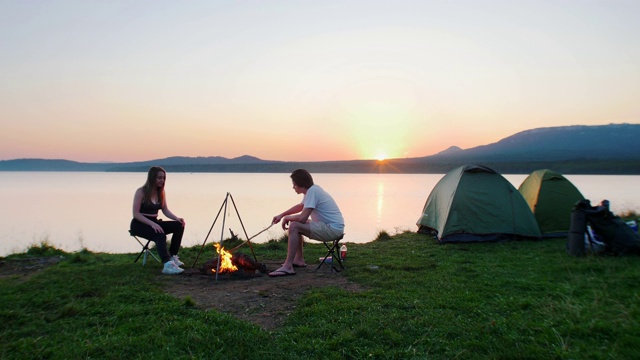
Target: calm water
{"x": 93, "y": 210}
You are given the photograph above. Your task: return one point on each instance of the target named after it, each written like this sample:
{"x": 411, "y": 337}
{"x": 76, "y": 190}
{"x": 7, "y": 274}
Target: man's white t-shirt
{"x": 324, "y": 207}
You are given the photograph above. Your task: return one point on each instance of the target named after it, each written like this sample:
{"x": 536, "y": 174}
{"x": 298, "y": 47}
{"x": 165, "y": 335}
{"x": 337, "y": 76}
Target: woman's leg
{"x": 175, "y": 228}
{"x": 145, "y": 231}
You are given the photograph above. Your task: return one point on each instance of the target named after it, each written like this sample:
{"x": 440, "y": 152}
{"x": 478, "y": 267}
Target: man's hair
{"x": 302, "y": 178}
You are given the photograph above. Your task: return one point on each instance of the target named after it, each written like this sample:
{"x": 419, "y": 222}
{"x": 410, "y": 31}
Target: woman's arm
{"x": 169, "y": 214}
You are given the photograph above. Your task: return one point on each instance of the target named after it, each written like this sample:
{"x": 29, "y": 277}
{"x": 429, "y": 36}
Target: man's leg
{"x": 299, "y": 232}
{"x": 294, "y": 248}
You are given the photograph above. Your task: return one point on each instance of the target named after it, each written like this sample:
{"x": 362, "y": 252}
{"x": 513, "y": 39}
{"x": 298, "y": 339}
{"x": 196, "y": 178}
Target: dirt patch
{"x": 260, "y": 299}
{"x": 24, "y": 268}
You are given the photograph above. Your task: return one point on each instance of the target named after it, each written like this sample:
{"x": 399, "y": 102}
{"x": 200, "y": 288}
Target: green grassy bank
{"x": 515, "y": 300}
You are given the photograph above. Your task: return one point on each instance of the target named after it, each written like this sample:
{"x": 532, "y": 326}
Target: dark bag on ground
{"x": 618, "y": 237}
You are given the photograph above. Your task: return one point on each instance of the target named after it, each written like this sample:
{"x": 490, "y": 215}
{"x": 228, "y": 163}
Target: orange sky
{"x": 308, "y": 81}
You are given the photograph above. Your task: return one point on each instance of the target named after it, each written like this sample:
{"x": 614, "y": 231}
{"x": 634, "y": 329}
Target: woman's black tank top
{"x": 150, "y": 208}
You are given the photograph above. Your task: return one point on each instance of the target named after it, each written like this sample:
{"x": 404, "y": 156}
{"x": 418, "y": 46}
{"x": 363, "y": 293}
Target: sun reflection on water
{"x": 380, "y": 205}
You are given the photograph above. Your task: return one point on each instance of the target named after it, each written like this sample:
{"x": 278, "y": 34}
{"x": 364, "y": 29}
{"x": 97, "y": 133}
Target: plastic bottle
{"x": 343, "y": 251}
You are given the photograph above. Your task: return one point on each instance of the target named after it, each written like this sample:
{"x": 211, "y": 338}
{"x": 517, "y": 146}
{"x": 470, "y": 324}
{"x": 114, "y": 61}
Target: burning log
{"x": 246, "y": 262}
{"x": 240, "y": 263}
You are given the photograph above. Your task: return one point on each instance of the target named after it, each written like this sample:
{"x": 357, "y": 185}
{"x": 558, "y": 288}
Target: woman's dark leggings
{"x": 169, "y": 227}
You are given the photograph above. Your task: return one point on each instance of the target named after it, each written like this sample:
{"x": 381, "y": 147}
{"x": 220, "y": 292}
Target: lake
{"x": 92, "y": 210}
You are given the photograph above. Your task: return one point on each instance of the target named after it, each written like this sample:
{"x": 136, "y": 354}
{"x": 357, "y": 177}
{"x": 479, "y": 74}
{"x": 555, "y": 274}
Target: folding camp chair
{"x": 145, "y": 250}
{"x": 333, "y": 251}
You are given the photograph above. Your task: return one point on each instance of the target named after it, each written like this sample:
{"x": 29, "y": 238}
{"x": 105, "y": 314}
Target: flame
{"x": 225, "y": 260}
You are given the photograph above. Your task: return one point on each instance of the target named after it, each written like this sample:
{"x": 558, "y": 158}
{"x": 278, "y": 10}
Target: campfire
{"x": 226, "y": 260}
{"x": 235, "y": 265}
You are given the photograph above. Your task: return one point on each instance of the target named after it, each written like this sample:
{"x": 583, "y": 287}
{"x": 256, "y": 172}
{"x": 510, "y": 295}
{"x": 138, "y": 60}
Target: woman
{"x": 145, "y": 223}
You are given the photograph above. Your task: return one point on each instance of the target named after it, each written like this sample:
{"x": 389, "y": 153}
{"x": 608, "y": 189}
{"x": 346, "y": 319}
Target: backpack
{"x": 594, "y": 226}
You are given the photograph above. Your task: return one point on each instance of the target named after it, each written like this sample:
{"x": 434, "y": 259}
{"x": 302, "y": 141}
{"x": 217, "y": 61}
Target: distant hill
{"x": 579, "y": 149}
{"x": 175, "y": 161}
{"x": 557, "y": 144}
{"x": 51, "y": 165}
{"x": 189, "y": 161}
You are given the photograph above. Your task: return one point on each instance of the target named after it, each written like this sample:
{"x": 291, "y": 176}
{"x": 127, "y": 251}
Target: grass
{"x": 514, "y": 300}
{"x": 629, "y": 215}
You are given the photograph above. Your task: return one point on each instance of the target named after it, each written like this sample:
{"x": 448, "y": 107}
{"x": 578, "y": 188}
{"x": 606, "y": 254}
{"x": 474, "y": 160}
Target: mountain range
{"x": 577, "y": 149}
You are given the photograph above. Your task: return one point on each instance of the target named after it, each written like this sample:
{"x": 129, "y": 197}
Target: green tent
{"x": 551, "y": 197}
{"x": 474, "y": 203}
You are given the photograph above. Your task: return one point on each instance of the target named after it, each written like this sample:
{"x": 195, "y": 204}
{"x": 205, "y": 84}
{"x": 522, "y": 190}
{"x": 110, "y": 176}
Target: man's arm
{"x": 294, "y": 210}
{"x": 301, "y": 217}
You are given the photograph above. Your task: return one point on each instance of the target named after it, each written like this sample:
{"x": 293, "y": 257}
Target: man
{"x": 326, "y": 222}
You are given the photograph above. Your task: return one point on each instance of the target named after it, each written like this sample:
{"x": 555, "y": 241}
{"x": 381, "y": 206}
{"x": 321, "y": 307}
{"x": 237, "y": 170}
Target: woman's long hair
{"x": 148, "y": 187}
